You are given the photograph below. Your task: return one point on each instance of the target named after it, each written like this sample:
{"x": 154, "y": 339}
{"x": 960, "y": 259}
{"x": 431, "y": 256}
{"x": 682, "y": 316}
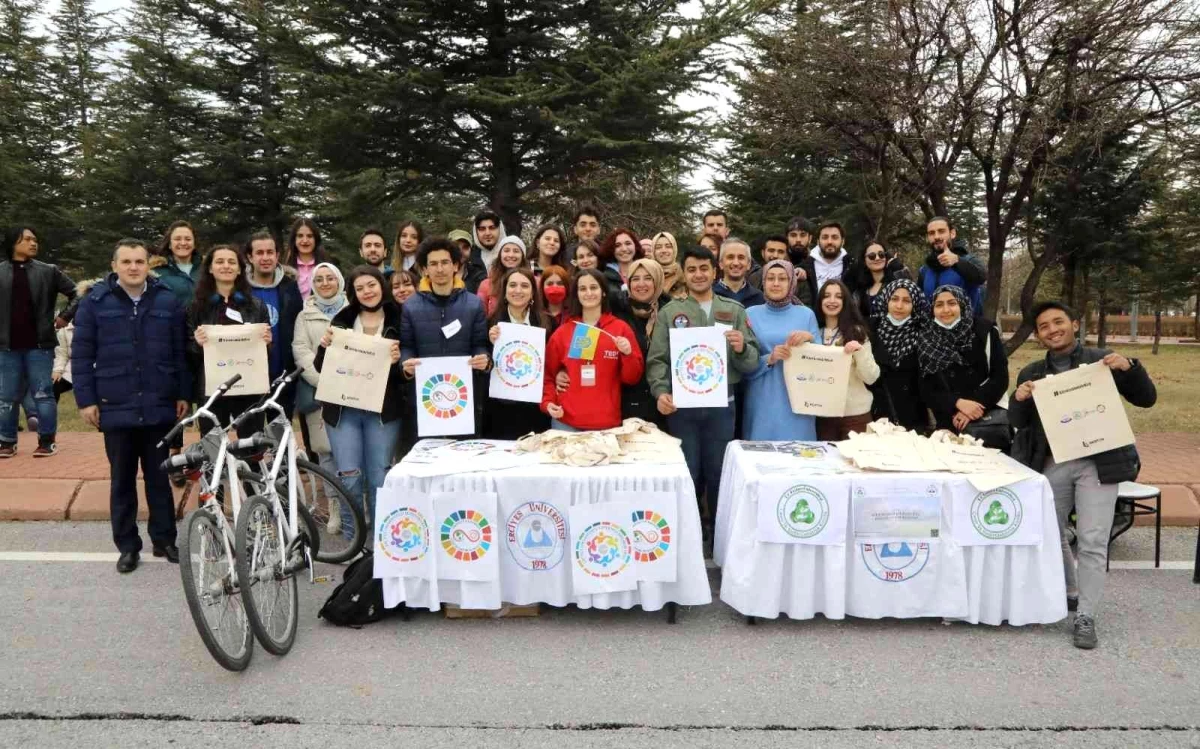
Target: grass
{"x": 1175, "y": 372}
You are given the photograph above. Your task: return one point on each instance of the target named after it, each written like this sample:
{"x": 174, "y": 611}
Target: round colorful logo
{"x": 895, "y": 562}
{"x": 404, "y": 535}
{"x": 470, "y": 446}
{"x": 466, "y": 535}
{"x": 603, "y": 550}
{"x": 444, "y": 396}
{"x": 802, "y": 511}
{"x": 681, "y": 321}
{"x": 537, "y": 536}
{"x": 651, "y": 536}
{"x": 700, "y": 369}
{"x": 518, "y": 364}
{"x": 997, "y": 514}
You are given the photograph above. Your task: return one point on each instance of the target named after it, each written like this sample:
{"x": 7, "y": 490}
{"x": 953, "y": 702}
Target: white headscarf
{"x": 334, "y": 304}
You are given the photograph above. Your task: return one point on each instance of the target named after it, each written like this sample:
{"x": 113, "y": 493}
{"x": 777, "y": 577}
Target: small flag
{"x": 584, "y": 341}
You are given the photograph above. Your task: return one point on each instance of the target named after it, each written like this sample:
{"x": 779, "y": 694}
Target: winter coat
{"x": 636, "y": 400}
{"x": 393, "y": 400}
{"x": 46, "y": 282}
{"x": 1031, "y": 446}
{"x": 892, "y": 271}
{"x": 981, "y": 379}
{"x": 130, "y": 360}
{"x": 182, "y": 285}
{"x": 212, "y": 312}
{"x": 748, "y": 296}
{"x": 687, "y": 313}
{"x": 62, "y": 352}
{"x": 596, "y": 406}
{"x": 968, "y": 274}
{"x": 898, "y": 389}
{"x": 424, "y": 316}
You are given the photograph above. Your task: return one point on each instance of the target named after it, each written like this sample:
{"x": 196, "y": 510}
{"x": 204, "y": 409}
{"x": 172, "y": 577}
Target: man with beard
{"x": 950, "y": 263}
{"x": 586, "y": 226}
{"x": 486, "y": 232}
{"x": 828, "y": 261}
{"x": 373, "y": 249}
{"x": 799, "y": 239}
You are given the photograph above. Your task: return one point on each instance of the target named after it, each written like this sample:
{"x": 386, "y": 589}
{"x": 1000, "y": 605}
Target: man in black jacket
{"x": 487, "y": 230}
{"x": 28, "y": 290}
{"x": 1089, "y": 485}
{"x": 275, "y": 286}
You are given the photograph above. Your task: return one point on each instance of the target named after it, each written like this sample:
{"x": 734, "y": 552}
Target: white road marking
{"x": 71, "y": 556}
{"x": 1149, "y": 565}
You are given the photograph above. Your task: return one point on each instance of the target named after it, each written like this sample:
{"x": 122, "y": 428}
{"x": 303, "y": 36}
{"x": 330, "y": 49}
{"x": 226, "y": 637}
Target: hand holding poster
{"x": 445, "y": 398}
{"x": 236, "y": 349}
{"x": 817, "y": 378}
{"x": 355, "y": 371}
{"x": 699, "y": 371}
{"x": 520, "y": 356}
{"x": 1081, "y": 412}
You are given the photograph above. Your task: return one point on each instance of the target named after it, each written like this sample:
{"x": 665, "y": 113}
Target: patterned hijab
{"x": 900, "y": 340}
{"x": 940, "y": 348}
{"x": 791, "y": 274}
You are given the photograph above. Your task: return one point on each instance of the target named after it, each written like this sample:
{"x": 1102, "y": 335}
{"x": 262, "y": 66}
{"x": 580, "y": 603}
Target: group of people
{"x": 131, "y": 346}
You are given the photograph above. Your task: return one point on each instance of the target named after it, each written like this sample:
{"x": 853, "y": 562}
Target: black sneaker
{"x": 46, "y": 450}
{"x": 1085, "y": 632}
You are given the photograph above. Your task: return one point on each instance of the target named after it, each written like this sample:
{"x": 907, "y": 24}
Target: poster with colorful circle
{"x": 602, "y": 548}
{"x": 699, "y": 371}
{"x": 403, "y": 538}
{"x": 445, "y": 398}
{"x": 466, "y": 536}
{"x": 519, "y": 363}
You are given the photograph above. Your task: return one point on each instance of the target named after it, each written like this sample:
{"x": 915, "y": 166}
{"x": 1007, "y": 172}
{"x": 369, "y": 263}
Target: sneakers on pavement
{"x": 1085, "y": 632}
{"x": 7, "y": 450}
{"x": 46, "y": 450}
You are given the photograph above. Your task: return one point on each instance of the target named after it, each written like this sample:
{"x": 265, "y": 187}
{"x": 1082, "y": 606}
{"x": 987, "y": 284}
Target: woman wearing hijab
{"x": 327, "y": 299}
{"x": 664, "y": 248}
{"x": 964, "y": 370}
{"x": 640, "y": 311}
{"x": 903, "y": 313}
{"x": 779, "y": 324}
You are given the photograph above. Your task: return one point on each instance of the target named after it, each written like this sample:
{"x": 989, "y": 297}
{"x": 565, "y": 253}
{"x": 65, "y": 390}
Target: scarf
{"x": 647, "y": 311}
{"x": 898, "y": 341}
{"x": 791, "y": 274}
{"x": 334, "y": 304}
{"x": 939, "y": 348}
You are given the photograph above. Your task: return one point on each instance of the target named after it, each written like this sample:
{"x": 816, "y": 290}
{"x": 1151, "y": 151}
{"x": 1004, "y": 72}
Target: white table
{"x": 562, "y": 486}
{"x": 989, "y": 584}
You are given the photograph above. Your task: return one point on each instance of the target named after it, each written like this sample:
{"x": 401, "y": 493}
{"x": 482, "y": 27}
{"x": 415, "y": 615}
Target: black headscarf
{"x": 939, "y": 348}
{"x": 900, "y": 340}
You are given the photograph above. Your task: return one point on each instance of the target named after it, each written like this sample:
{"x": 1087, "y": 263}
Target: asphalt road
{"x": 94, "y": 658}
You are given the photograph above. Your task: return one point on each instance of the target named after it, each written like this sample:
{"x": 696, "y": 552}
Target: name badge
{"x": 451, "y": 329}
{"x": 233, "y": 314}
{"x": 722, "y": 326}
{"x": 587, "y": 375}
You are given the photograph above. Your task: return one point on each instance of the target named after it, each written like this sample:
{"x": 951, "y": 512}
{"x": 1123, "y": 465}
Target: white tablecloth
{"x": 562, "y": 486}
{"x": 989, "y": 584}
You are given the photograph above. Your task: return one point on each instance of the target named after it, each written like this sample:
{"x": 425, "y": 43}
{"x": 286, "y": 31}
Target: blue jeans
{"x": 705, "y": 433}
{"x": 556, "y": 424}
{"x": 362, "y": 445}
{"x": 27, "y": 369}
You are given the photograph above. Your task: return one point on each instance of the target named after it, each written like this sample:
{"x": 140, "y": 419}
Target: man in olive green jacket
{"x": 705, "y": 431}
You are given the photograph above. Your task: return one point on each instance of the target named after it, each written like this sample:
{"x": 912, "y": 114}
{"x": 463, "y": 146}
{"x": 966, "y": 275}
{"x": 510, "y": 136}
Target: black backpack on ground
{"x": 359, "y": 599}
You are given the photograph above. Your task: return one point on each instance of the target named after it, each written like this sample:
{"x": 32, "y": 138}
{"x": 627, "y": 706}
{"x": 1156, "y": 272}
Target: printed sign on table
{"x": 1081, "y": 412}
{"x": 445, "y": 401}
{"x": 817, "y": 378}
{"x": 602, "y": 548}
{"x": 654, "y": 530}
{"x": 699, "y": 371}
{"x": 1004, "y": 516}
{"x": 467, "y": 537}
{"x": 355, "y": 371}
{"x": 810, "y": 510}
{"x": 897, "y": 509}
{"x": 403, "y": 538}
{"x": 519, "y": 363}
{"x": 236, "y": 349}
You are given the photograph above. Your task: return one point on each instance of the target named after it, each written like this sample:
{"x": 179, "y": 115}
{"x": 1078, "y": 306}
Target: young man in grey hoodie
{"x": 275, "y": 286}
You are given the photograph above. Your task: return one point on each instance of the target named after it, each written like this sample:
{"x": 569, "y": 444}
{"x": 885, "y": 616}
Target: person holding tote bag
{"x": 964, "y": 371}
{"x": 844, "y": 327}
{"x": 327, "y": 299}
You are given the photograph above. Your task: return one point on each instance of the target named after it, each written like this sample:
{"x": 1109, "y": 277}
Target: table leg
{"x": 1157, "y": 528}
{"x": 672, "y": 611}
{"x": 404, "y": 612}
{"x": 751, "y": 621}
{"x": 1196, "y": 564}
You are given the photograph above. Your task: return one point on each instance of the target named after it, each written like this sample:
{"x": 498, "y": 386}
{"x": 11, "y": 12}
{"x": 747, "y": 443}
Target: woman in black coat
{"x": 894, "y": 338}
{"x": 519, "y": 303}
{"x": 874, "y": 269}
{"x": 639, "y": 307}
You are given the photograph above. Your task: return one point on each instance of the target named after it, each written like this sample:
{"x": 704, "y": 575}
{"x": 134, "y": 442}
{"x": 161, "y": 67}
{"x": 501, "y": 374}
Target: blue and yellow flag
{"x": 584, "y": 342}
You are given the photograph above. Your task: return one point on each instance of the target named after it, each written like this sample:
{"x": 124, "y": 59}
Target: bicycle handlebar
{"x": 221, "y": 390}
{"x": 270, "y": 399}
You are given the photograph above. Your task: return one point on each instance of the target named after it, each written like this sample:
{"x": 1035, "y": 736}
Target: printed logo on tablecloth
{"x": 896, "y": 562}
{"x": 700, "y": 369}
{"x": 518, "y": 364}
{"x": 603, "y": 550}
{"x": 802, "y": 511}
{"x": 444, "y": 396}
{"x": 997, "y": 514}
{"x": 404, "y": 535}
{"x": 466, "y": 535}
{"x": 537, "y": 536}
{"x": 651, "y": 536}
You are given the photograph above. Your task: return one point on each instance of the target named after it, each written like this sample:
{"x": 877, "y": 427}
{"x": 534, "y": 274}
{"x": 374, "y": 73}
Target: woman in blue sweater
{"x": 779, "y": 325}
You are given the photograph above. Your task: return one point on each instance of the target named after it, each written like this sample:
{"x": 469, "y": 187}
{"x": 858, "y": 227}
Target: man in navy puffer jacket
{"x": 132, "y": 382}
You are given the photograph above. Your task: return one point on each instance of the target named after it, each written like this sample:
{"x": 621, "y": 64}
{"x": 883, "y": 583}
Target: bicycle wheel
{"x": 340, "y": 528}
{"x": 268, "y": 591}
{"x": 212, "y": 594}
{"x": 252, "y": 484}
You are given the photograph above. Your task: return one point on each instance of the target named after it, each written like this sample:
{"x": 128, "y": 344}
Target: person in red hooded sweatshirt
{"x": 592, "y": 399}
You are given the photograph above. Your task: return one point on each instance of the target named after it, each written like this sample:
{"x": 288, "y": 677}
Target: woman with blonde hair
{"x": 639, "y": 308}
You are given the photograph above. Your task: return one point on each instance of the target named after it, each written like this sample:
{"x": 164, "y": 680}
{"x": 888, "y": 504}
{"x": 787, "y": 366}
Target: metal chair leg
{"x": 1196, "y": 563}
{"x": 1157, "y": 528}
{"x": 672, "y": 612}
{"x": 751, "y": 621}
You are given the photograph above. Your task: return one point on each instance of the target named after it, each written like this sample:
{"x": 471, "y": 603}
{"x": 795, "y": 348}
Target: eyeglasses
{"x": 876, "y": 256}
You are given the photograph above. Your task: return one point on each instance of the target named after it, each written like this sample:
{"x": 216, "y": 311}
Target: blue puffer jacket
{"x": 183, "y": 285}
{"x": 424, "y": 317}
{"x": 129, "y": 360}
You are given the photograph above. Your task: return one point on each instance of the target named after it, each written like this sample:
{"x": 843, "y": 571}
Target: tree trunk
{"x": 1084, "y": 296}
{"x": 1157, "y": 329}
{"x": 1101, "y": 320}
{"x": 1068, "y": 282}
{"x": 1196, "y": 331}
{"x": 1028, "y": 293}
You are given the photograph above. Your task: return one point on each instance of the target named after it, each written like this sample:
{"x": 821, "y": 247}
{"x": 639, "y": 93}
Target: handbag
{"x": 993, "y": 429}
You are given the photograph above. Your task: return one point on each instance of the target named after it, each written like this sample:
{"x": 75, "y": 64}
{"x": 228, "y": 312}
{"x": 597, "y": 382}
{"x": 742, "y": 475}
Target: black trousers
{"x": 126, "y": 448}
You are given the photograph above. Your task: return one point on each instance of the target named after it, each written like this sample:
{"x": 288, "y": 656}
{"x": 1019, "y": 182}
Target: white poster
{"x": 817, "y": 379}
{"x": 535, "y": 565}
{"x": 654, "y": 531}
{"x": 467, "y": 536}
{"x": 403, "y": 537}
{"x": 809, "y": 510}
{"x": 236, "y": 349}
{"x": 355, "y": 370}
{"x": 1004, "y": 516}
{"x": 1082, "y": 413}
{"x": 445, "y": 397}
{"x": 519, "y": 358}
{"x": 699, "y": 371}
{"x": 897, "y": 509}
{"x": 602, "y": 548}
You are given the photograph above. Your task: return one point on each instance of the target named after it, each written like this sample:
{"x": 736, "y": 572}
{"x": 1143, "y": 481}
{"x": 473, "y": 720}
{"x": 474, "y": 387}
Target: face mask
{"x": 365, "y": 308}
{"x": 555, "y": 294}
{"x": 898, "y": 323}
{"x": 951, "y": 326}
